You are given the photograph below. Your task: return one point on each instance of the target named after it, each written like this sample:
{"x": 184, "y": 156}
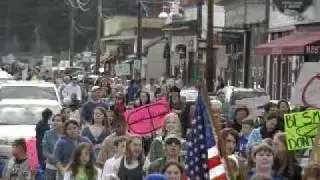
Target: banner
{"x": 306, "y": 91}
{"x": 301, "y": 129}
{"x": 147, "y": 119}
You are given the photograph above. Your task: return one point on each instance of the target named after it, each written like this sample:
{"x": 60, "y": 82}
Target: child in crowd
{"x": 246, "y": 129}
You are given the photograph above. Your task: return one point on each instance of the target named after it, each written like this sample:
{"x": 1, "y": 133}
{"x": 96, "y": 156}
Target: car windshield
{"x": 28, "y": 92}
{"x": 238, "y": 95}
{"x": 23, "y": 114}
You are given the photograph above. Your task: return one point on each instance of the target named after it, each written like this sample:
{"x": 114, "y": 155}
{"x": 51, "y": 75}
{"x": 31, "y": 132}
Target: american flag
{"x": 203, "y": 160}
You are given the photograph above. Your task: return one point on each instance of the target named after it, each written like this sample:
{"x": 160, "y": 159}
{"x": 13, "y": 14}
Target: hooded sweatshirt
{"x": 65, "y": 147}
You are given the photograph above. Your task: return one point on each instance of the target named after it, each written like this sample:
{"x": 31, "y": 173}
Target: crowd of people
{"x": 90, "y": 138}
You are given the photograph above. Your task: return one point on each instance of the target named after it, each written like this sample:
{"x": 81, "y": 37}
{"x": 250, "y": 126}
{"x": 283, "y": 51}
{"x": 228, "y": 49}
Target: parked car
{"x": 27, "y": 90}
{"x": 236, "y": 94}
{"x": 18, "y": 119}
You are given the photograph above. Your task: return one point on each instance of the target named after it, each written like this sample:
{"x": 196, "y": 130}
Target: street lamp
{"x": 163, "y": 15}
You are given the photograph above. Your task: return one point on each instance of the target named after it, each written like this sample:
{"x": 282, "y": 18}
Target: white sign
{"x": 47, "y": 61}
{"x": 137, "y": 64}
{"x": 122, "y": 69}
{"x": 253, "y": 103}
{"x": 306, "y": 91}
{"x": 190, "y": 95}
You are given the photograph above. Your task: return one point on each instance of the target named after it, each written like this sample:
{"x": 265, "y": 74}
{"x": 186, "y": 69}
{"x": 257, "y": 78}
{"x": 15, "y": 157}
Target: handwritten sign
{"x": 301, "y": 129}
{"x": 147, "y": 119}
{"x": 32, "y": 153}
{"x": 307, "y": 88}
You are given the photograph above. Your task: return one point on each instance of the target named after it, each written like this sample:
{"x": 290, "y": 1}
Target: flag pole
{"x": 210, "y": 61}
{"x": 215, "y": 124}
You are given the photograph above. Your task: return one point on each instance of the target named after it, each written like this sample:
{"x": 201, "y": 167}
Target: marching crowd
{"x": 90, "y": 138}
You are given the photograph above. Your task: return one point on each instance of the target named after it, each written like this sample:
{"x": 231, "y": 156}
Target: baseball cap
{"x": 172, "y": 138}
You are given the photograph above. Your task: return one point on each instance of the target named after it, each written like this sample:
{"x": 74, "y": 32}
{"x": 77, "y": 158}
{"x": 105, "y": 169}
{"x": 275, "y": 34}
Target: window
{"x": 28, "y": 92}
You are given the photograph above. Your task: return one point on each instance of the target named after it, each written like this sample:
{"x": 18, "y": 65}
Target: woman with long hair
{"x": 285, "y": 162}
{"x": 267, "y": 130}
{"x": 99, "y": 128}
{"x": 131, "y": 165}
{"x": 187, "y": 116}
{"x": 119, "y": 104}
{"x": 171, "y": 126}
{"x": 144, "y": 98}
{"x": 283, "y": 108}
{"x": 82, "y": 166}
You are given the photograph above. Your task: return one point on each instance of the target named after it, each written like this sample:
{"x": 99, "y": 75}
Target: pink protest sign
{"x": 32, "y": 153}
{"x": 148, "y": 118}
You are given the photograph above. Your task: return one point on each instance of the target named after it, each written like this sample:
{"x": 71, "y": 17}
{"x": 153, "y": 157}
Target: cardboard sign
{"x": 307, "y": 88}
{"x": 301, "y": 129}
{"x": 147, "y": 119}
{"x": 32, "y": 153}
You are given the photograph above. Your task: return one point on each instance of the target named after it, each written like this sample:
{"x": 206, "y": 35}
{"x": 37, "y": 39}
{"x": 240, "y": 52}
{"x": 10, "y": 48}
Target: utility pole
{"x": 99, "y": 20}
{"x": 210, "y": 57}
{"x": 71, "y": 34}
{"x": 247, "y": 79}
{"x": 199, "y": 18}
{"x": 139, "y": 37}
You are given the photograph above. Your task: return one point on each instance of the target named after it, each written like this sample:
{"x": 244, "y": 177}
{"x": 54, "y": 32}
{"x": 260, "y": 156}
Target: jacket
{"x": 49, "y": 140}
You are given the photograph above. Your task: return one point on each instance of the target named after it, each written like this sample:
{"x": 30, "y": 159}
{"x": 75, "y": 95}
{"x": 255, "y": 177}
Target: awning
{"x": 293, "y": 44}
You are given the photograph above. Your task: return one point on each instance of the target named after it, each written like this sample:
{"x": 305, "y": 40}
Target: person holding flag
{"x": 203, "y": 156}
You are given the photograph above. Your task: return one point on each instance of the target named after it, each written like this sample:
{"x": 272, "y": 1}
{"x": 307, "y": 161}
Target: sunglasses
{"x": 173, "y": 141}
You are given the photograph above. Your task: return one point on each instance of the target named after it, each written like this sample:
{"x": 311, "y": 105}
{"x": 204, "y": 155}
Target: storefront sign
{"x": 231, "y": 37}
{"x": 312, "y": 49}
{"x": 292, "y": 5}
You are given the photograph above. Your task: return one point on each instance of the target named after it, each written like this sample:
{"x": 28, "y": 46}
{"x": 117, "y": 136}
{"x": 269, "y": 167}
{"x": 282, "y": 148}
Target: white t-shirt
{"x": 111, "y": 167}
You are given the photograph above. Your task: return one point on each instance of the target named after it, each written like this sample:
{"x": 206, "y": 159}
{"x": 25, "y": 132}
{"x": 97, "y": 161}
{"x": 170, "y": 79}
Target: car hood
{"x": 30, "y": 101}
{"x": 11, "y": 132}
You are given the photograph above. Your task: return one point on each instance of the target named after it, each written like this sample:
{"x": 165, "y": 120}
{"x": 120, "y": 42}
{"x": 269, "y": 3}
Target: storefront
{"x": 288, "y": 50}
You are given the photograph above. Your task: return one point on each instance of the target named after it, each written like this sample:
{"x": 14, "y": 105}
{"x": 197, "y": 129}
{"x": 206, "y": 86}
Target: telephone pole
{"x": 99, "y": 20}
{"x": 71, "y": 34}
{"x": 139, "y": 37}
{"x": 210, "y": 57}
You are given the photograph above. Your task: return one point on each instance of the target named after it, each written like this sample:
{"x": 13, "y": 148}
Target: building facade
{"x": 245, "y": 27}
{"x": 288, "y": 24}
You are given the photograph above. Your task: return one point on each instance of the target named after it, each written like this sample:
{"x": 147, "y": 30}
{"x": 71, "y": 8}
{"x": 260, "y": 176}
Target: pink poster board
{"x": 32, "y": 153}
{"x": 147, "y": 119}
